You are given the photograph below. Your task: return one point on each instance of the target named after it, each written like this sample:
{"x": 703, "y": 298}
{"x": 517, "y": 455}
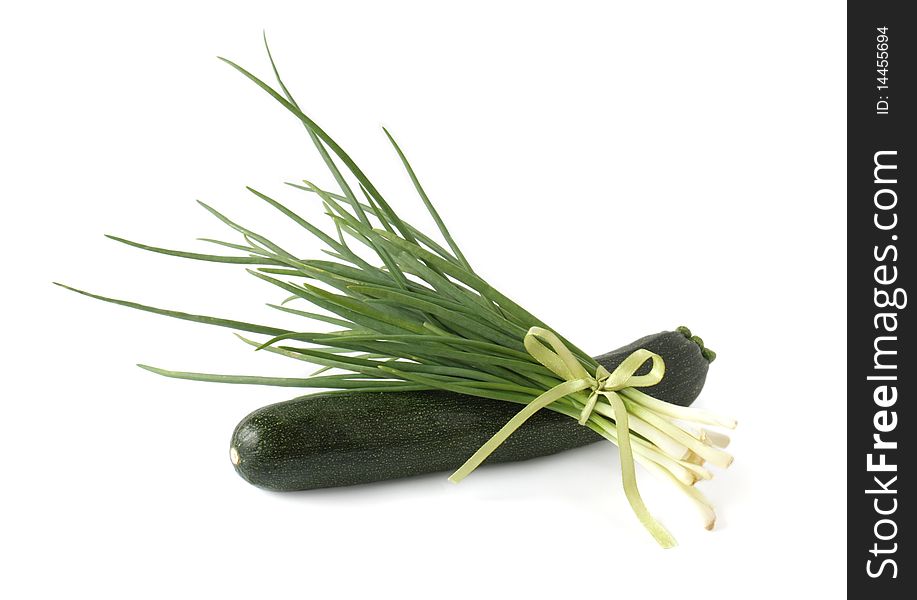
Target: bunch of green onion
{"x": 424, "y": 319}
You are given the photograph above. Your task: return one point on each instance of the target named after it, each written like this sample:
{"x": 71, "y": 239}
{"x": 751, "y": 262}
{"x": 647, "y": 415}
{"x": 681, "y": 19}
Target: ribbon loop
{"x": 623, "y": 376}
{"x": 561, "y": 361}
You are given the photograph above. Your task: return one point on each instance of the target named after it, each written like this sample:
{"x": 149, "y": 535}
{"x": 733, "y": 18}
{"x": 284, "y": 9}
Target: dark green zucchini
{"x": 336, "y": 440}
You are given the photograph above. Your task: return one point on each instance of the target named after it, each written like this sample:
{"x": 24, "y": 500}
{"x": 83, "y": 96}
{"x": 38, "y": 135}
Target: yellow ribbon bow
{"x": 561, "y": 361}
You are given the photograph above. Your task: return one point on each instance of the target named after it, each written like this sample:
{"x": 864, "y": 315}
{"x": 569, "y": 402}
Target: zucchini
{"x": 330, "y": 440}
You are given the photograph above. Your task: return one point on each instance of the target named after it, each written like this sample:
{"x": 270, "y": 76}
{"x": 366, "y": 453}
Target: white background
{"x": 620, "y": 169}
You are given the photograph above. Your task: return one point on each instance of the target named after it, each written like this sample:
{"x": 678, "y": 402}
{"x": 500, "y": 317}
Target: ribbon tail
{"x": 629, "y": 475}
{"x": 587, "y": 410}
{"x": 555, "y": 393}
